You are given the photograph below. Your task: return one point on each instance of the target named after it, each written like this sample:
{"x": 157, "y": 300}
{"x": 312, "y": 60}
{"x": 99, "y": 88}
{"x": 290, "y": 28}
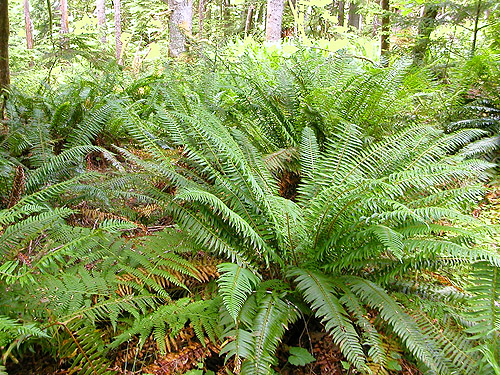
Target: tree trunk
{"x": 28, "y": 25}
{"x": 63, "y": 5}
{"x": 425, "y": 29}
{"x": 274, "y": 19}
{"x": 201, "y": 16}
{"x": 118, "y": 30}
{"x": 476, "y": 23}
{"x": 101, "y": 18}
{"x": 180, "y": 23}
{"x": 4, "y": 45}
{"x": 4, "y": 54}
{"x": 375, "y": 25}
{"x": 226, "y": 17}
{"x": 354, "y": 16}
{"x": 249, "y": 20}
{"x": 386, "y": 28}
{"x": 260, "y": 16}
{"x": 243, "y": 20}
{"x": 341, "y": 16}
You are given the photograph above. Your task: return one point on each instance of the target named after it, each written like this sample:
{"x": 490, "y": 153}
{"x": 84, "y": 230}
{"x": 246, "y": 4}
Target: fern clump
{"x": 248, "y": 201}
{"x": 364, "y": 219}
{"x": 78, "y": 289}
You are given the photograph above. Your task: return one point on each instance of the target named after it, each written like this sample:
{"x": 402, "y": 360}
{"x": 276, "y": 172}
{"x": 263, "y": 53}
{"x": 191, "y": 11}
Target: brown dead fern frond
{"x": 18, "y": 187}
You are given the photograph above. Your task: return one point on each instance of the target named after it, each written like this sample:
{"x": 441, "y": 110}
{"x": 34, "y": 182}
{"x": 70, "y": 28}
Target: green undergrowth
{"x": 231, "y": 203}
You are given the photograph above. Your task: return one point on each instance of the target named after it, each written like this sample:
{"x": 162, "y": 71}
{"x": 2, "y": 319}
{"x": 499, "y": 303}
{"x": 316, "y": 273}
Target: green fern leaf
{"x": 320, "y": 293}
{"x": 235, "y": 284}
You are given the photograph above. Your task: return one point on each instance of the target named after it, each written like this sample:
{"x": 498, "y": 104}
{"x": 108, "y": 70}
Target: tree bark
{"x": 425, "y": 29}
{"x": 249, "y": 20}
{"x": 243, "y": 20}
{"x": 341, "y": 15}
{"x": 64, "y": 40}
{"x": 118, "y": 30}
{"x": 274, "y": 19}
{"x": 28, "y": 25}
{"x": 63, "y": 5}
{"x": 4, "y": 54}
{"x": 386, "y": 28}
{"x": 201, "y": 16}
{"x": 354, "y": 16}
{"x": 226, "y": 16}
{"x": 4, "y": 45}
{"x": 260, "y": 16}
{"x": 180, "y": 24}
{"x": 101, "y": 18}
{"x": 476, "y": 23}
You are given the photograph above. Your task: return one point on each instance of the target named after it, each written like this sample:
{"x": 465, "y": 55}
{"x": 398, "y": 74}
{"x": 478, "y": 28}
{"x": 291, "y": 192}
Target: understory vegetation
{"x": 217, "y": 215}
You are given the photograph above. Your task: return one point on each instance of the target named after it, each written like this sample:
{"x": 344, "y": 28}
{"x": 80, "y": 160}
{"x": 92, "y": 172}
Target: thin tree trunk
{"x": 118, "y": 30}
{"x": 180, "y": 23}
{"x": 226, "y": 16}
{"x": 221, "y": 10}
{"x": 354, "y": 16}
{"x": 28, "y": 25}
{"x": 201, "y": 16}
{"x": 476, "y": 23}
{"x": 243, "y": 20}
{"x": 101, "y": 18}
{"x": 386, "y": 28}
{"x": 249, "y": 20}
{"x": 425, "y": 29}
{"x": 4, "y": 55}
{"x": 375, "y": 25}
{"x": 64, "y": 40}
{"x": 51, "y": 19}
{"x": 63, "y": 4}
{"x": 274, "y": 19}
{"x": 341, "y": 16}
{"x": 260, "y": 16}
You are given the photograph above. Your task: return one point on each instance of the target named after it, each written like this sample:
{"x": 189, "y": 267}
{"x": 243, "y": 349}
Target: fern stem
{"x": 78, "y": 346}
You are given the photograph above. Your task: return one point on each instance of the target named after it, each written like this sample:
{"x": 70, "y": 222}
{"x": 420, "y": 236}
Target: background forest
{"x": 249, "y": 187}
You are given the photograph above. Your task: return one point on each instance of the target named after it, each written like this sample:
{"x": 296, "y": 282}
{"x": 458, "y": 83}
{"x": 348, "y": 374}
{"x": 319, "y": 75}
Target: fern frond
{"x": 269, "y": 324}
{"x": 485, "y": 306}
{"x": 319, "y": 292}
{"x": 64, "y": 165}
{"x": 456, "y": 346}
{"x": 83, "y": 346}
{"x": 235, "y": 284}
{"x": 401, "y": 322}
{"x": 228, "y": 215}
{"x": 265, "y": 317}
{"x": 309, "y": 153}
{"x": 92, "y": 125}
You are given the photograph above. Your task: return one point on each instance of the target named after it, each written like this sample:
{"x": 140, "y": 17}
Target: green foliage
{"x": 484, "y": 314}
{"x": 319, "y": 293}
{"x": 168, "y": 320}
{"x": 13, "y": 333}
{"x": 86, "y": 279}
{"x": 83, "y": 345}
{"x": 263, "y": 321}
{"x": 300, "y": 357}
{"x": 316, "y": 178}
{"x": 451, "y": 340}
{"x": 235, "y": 284}
{"x": 352, "y": 229}
{"x": 273, "y": 103}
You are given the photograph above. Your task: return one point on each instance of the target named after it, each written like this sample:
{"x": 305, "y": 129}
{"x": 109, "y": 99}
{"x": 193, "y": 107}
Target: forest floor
{"x": 329, "y": 361}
